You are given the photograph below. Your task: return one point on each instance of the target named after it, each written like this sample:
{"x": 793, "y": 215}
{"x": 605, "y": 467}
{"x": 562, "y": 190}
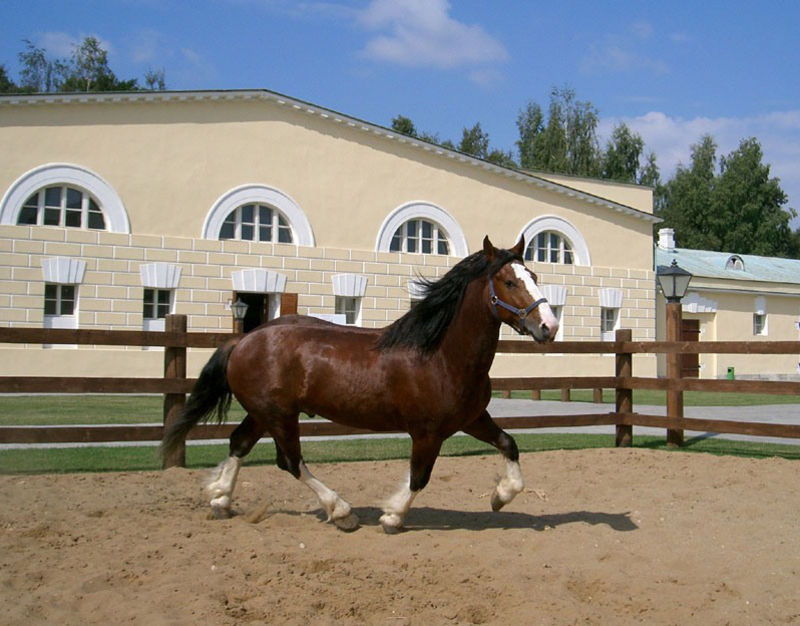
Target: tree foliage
{"x": 736, "y": 207}
{"x": 87, "y": 70}
{"x": 565, "y": 142}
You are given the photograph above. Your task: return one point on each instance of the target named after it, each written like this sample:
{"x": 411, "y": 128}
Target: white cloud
{"x": 671, "y": 139}
{"x": 421, "y": 33}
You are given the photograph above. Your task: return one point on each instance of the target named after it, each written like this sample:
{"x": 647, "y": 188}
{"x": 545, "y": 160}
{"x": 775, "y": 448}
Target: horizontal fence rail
{"x": 174, "y": 385}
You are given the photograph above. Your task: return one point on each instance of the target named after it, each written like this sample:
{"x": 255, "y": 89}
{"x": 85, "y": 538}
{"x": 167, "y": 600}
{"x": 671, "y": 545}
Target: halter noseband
{"x": 520, "y": 313}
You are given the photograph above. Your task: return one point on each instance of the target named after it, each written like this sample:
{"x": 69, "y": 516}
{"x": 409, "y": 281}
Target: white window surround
{"x": 25, "y": 186}
{"x": 556, "y": 294}
{"x": 424, "y": 210}
{"x": 580, "y": 250}
{"x": 259, "y": 194}
{"x": 160, "y": 275}
{"x": 63, "y": 271}
{"x": 258, "y": 281}
{"x": 349, "y": 285}
{"x": 611, "y": 298}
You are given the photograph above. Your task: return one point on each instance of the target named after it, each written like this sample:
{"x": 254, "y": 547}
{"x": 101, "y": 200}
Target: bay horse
{"x": 426, "y": 374}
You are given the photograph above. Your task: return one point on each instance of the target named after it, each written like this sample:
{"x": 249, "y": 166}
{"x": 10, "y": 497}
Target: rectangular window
{"x": 759, "y": 324}
{"x": 156, "y": 303}
{"x": 609, "y": 322}
{"x": 350, "y": 307}
{"x": 60, "y": 310}
{"x": 59, "y": 299}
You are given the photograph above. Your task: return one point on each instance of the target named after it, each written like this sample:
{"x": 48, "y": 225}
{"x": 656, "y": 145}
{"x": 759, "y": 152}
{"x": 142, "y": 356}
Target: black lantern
{"x": 239, "y": 309}
{"x": 674, "y": 281}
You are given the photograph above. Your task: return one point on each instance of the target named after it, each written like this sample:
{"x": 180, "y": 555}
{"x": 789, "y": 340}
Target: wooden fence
{"x": 174, "y": 385}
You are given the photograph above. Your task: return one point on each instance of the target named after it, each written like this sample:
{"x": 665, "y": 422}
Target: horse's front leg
{"x": 424, "y": 452}
{"x": 486, "y": 429}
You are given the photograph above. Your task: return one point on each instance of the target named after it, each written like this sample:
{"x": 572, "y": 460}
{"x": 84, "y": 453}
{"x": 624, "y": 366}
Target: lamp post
{"x": 674, "y": 282}
{"x": 239, "y": 309}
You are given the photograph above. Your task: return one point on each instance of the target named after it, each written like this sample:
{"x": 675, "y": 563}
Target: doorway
{"x": 690, "y": 363}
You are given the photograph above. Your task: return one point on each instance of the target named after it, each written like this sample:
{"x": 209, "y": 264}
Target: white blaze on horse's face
{"x": 547, "y": 326}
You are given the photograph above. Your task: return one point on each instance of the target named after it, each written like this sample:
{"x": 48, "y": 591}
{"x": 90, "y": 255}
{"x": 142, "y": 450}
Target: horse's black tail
{"x": 211, "y": 395}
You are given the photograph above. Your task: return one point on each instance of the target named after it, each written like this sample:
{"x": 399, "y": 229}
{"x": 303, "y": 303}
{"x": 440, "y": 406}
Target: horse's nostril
{"x": 545, "y": 330}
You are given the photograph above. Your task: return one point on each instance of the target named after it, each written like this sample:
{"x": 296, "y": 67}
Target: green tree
{"x": 87, "y": 70}
{"x": 39, "y": 74}
{"x": 737, "y": 208}
{"x": 623, "y": 154}
{"x": 750, "y": 205}
{"x": 564, "y": 143}
{"x": 687, "y": 201}
{"x": 475, "y": 141}
{"x": 404, "y": 125}
{"x": 6, "y": 84}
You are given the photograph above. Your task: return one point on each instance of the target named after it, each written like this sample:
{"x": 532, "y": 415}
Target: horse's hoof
{"x": 218, "y": 512}
{"x": 348, "y": 523}
{"x": 497, "y": 503}
{"x": 392, "y": 523}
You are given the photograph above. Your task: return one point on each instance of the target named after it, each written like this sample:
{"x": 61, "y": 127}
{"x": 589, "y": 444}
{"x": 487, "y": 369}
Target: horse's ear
{"x": 520, "y": 247}
{"x": 488, "y": 249}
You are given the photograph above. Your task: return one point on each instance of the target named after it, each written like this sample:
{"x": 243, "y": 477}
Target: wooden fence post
{"x": 174, "y": 367}
{"x": 624, "y": 397}
{"x": 674, "y": 396}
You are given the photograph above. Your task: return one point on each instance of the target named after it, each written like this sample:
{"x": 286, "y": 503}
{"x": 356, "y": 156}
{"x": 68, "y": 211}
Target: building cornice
{"x": 334, "y": 117}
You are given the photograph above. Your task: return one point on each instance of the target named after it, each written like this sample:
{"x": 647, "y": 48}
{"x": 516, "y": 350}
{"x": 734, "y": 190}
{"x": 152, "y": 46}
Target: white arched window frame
{"x": 424, "y": 211}
{"x": 65, "y": 174}
{"x": 302, "y": 233}
{"x": 560, "y": 226}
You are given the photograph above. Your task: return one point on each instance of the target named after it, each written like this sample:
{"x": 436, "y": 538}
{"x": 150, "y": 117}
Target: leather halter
{"x": 520, "y": 313}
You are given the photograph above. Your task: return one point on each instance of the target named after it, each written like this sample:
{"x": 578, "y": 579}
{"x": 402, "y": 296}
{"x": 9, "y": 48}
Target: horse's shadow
{"x": 428, "y": 518}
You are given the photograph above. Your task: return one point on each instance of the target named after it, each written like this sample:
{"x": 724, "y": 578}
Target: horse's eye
{"x": 510, "y": 284}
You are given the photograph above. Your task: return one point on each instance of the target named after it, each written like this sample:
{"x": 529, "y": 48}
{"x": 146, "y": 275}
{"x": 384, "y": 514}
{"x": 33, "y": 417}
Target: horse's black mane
{"x": 424, "y": 326}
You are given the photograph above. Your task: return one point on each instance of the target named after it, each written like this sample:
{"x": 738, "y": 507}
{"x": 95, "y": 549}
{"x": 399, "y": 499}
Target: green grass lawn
{"x": 110, "y": 409}
{"x": 51, "y": 410}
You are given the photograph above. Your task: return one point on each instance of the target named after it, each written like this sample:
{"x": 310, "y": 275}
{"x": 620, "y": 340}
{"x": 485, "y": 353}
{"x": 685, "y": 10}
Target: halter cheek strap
{"x": 520, "y": 313}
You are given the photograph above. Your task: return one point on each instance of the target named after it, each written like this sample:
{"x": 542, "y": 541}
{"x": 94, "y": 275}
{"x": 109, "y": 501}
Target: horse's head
{"x": 514, "y": 295}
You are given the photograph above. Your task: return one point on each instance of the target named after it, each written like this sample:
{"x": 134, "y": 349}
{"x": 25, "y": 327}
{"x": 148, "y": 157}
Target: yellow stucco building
{"x": 116, "y": 209}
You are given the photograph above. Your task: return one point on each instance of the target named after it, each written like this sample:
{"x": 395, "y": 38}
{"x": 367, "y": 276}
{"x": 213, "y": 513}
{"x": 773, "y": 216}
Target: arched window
{"x": 735, "y": 263}
{"x": 256, "y": 222}
{"x": 62, "y": 206}
{"x": 420, "y": 236}
{"x": 550, "y": 247}
{"x": 258, "y": 213}
{"x": 421, "y": 228}
{"x": 67, "y": 196}
{"x": 552, "y": 239}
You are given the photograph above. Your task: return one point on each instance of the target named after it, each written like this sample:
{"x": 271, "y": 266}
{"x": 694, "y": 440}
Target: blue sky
{"x": 671, "y": 70}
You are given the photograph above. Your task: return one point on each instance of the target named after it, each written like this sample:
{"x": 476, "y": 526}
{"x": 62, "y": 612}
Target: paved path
{"x": 771, "y": 414}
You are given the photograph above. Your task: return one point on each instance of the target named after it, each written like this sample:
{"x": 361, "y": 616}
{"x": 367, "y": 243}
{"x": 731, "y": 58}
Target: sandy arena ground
{"x": 598, "y": 537}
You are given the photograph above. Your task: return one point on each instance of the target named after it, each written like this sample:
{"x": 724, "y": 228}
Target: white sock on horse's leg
{"x": 337, "y": 510}
{"x": 508, "y": 487}
{"x": 221, "y": 483}
{"x": 396, "y": 507}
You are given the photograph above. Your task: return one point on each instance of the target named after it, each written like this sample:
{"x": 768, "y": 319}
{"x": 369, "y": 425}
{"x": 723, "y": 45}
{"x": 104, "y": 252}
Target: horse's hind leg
{"x": 222, "y": 481}
{"x": 287, "y": 441}
{"x": 424, "y": 452}
{"x": 486, "y": 429}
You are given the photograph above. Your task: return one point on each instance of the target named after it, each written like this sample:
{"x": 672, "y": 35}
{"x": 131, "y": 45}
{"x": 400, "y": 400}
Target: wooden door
{"x": 690, "y": 363}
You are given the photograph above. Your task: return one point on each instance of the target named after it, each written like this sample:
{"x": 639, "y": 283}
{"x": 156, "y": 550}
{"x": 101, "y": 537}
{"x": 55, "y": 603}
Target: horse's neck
{"x": 473, "y": 334}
